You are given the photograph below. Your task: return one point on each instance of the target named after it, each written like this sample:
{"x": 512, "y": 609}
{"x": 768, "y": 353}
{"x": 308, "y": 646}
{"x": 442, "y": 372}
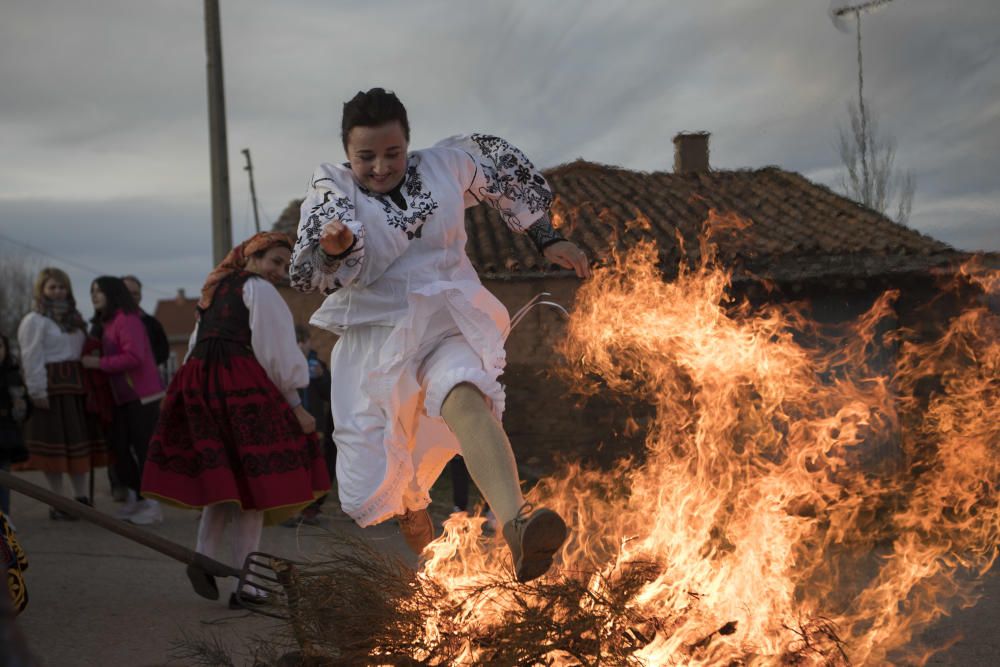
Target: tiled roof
{"x": 798, "y": 229}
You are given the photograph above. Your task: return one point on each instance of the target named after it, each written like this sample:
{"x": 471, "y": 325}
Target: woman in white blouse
{"x": 415, "y": 371}
{"x": 233, "y": 437}
{"x": 61, "y": 436}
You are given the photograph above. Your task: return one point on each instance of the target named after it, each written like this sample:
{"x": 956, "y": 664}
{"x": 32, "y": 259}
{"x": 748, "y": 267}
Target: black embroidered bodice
{"x": 225, "y": 325}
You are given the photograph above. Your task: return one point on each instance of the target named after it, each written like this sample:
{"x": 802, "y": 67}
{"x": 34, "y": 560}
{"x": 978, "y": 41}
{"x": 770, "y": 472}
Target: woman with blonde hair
{"x": 61, "y": 436}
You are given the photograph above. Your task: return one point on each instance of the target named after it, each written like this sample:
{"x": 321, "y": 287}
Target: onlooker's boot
{"x": 534, "y": 537}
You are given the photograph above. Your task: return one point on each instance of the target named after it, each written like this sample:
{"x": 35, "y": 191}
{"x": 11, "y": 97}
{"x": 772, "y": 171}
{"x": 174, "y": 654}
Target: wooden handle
{"x": 123, "y": 528}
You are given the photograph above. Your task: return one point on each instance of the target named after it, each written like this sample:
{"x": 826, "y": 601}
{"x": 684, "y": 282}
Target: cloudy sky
{"x": 104, "y": 161}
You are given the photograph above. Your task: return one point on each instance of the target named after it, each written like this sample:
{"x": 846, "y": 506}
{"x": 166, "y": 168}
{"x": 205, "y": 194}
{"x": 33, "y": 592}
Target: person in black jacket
{"x": 157, "y": 336}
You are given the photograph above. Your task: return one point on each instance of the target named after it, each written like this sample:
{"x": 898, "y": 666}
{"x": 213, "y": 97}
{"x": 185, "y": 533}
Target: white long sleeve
{"x": 311, "y": 268}
{"x": 192, "y": 340}
{"x": 272, "y": 338}
{"x": 31, "y": 340}
{"x": 43, "y": 342}
{"x": 503, "y": 177}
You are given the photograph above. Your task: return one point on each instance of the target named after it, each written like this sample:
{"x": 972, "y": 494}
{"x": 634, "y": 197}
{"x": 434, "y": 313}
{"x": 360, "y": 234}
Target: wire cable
{"x": 69, "y": 262}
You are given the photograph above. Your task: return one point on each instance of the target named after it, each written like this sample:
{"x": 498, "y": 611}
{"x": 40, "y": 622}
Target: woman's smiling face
{"x": 272, "y": 265}
{"x": 378, "y": 155}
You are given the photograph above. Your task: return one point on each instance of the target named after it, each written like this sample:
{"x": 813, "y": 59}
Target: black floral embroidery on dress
{"x": 332, "y": 206}
{"x": 507, "y": 161}
{"x": 511, "y": 179}
{"x": 422, "y": 204}
{"x": 414, "y": 181}
{"x": 543, "y": 234}
{"x": 308, "y": 259}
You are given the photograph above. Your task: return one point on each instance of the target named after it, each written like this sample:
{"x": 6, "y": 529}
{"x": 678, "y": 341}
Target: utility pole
{"x": 253, "y": 190}
{"x": 222, "y": 235}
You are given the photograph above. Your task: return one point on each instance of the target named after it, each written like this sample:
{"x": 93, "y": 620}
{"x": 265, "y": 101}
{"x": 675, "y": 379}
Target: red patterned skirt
{"x": 226, "y": 434}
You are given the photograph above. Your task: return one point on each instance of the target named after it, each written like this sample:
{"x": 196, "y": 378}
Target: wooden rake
{"x": 272, "y": 575}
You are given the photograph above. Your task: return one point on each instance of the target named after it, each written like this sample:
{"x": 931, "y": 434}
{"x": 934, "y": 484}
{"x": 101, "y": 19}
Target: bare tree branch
{"x": 870, "y": 176}
{"x": 17, "y": 277}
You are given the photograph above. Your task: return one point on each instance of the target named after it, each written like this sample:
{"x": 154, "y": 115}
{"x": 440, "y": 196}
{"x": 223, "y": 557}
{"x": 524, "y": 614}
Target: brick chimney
{"x": 690, "y": 152}
{"x": 181, "y": 297}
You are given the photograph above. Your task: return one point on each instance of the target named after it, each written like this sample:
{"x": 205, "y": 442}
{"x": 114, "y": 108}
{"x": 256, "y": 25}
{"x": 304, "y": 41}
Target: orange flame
{"x": 798, "y": 495}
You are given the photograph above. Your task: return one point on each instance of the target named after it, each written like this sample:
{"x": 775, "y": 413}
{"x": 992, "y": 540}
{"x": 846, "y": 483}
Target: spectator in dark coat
{"x": 157, "y": 336}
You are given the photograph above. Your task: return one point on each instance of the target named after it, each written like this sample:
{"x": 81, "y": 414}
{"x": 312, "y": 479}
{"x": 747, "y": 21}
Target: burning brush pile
{"x": 758, "y": 530}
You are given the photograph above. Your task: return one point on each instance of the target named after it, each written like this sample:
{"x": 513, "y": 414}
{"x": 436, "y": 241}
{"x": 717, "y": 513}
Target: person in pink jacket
{"x": 127, "y": 359}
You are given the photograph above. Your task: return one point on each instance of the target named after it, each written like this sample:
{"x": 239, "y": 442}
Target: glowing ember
{"x": 765, "y": 525}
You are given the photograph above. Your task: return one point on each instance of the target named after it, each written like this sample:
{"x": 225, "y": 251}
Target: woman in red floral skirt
{"x": 233, "y": 437}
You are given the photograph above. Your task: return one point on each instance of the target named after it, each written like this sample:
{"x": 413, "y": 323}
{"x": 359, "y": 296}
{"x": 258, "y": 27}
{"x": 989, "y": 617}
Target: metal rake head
{"x": 268, "y": 585}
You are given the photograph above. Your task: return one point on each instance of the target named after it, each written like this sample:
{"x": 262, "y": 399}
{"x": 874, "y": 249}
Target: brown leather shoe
{"x": 417, "y": 529}
{"x": 534, "y": 537}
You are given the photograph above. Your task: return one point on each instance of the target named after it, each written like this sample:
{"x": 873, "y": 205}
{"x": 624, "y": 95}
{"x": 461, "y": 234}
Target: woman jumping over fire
{"x": 421, "y": 340}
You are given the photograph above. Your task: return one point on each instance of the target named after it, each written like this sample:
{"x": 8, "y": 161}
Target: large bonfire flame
{"x": 760, "y": 528}
{"x": 801, "y": 501}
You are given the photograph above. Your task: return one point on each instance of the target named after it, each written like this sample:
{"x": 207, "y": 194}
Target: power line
{"x": 69, "y": 262}
{"x": 50, "y": 255}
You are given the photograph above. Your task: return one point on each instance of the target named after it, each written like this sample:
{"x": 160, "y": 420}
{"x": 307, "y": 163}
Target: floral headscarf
{"x": 236, "y": 260}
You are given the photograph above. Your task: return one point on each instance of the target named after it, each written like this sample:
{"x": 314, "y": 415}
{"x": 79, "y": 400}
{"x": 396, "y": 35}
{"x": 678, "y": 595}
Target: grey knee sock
{"x": 485, "y": 448}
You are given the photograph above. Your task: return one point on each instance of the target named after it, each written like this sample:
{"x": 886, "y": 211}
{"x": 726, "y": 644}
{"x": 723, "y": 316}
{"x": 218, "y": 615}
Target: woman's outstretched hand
{"x": 306, "y": 420}
{"x": 336, "y": 238}
{"x": 567, "y": 255}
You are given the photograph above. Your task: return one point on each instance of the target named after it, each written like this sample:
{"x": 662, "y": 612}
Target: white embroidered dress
{"x": 414, "y": 320}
